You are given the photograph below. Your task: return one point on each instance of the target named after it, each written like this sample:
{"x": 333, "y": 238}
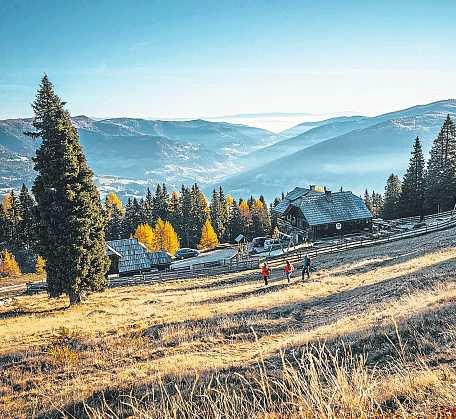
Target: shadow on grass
{"x": 20, "y": 312}
{"x": 422, "y": 333}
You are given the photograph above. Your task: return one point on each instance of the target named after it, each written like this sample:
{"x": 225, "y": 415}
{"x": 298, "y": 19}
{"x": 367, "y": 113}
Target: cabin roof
{"x": 134, "y": 256}
{"x": 324, "y": 208}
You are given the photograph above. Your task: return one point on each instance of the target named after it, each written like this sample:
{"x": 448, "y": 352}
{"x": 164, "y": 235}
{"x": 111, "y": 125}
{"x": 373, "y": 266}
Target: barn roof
{"x": 133, "y": 255}
{"x": 321, "y": 208}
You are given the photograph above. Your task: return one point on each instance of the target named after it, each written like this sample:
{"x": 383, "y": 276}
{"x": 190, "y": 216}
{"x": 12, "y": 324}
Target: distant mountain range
{"x": 129, "y": 154}
{"x": 355, "y": 152}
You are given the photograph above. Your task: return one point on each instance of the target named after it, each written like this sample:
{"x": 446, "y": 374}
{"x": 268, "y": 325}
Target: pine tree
{"x": 149, "y": 207}
{"x": 440, "y": 182}
{"x": 392, "y": 198}
{"x": 40, "y": 265}
{"x": 208, "y": 238}
{"x": 235, "y": 222}
{"x": 218, "y": 212}
{"x": 198, "y": 214}
{"x": 368, "y": 201}
{"x": 8, "y": 264}
{"x": 412, "y": 196}
{"x": 114, "y": 211}
{"x": 261, "y": 223}
{"x": 223, "y": 214}
{"x": 145, "y": 235}
{"x": 185, "y": 228}
{"x": 246, "y": 216}
{"x": 71, "y": 219}
{"x": 27, "y": 225}
{"x": 165, "y": 237}
{"x": 161, "y": 203}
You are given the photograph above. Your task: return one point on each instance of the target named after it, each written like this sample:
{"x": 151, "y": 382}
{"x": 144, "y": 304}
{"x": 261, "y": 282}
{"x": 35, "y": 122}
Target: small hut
{"x": 129, "y": 256}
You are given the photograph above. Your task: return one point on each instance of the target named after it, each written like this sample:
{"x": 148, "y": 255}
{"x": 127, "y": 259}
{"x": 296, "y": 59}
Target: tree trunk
{"x": 75, "y": 297}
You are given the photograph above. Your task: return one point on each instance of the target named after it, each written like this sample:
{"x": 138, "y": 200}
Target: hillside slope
{"x": 359, "y": 159}
{"x": 387, "y": 311}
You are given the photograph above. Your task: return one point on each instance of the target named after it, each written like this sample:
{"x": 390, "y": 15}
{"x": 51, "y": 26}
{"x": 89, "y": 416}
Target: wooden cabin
{"x": 129, "y": 256}
{"x": 310, "y": 214}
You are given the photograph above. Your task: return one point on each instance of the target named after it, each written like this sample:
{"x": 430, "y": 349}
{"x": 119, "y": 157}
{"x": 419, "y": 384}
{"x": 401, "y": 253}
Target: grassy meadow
{"x": 373, "y": 333}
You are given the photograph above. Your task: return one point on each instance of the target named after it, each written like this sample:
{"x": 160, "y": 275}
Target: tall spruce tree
{"x": 223, "y": 214}
{"x": 27, "y": 228}
{"x": 368, "y": 200}
{"x": 440, "y": 193}
{"x": 392, "y": 197}
{"x": 71, "y": 219}
{"x": 235, "y": 222}
{"x": 412, "y": 196}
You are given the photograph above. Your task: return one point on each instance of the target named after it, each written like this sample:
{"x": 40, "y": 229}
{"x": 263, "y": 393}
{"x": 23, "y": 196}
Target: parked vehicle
{"x": 186, "y": 253}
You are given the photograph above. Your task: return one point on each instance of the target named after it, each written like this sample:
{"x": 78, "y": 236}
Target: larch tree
{"x": 146, "y": 235}
{"x": 440, "y": 194}
{"x": 209, "y": 237}
{"x": 40, "y": 265}
{"x": 261, "y": 223}
{"x": 392, "y": 197}
{"x": 71, "y": 220}
{"x": 8, "y": 264}
{"x": 413, "y": 188}
{"x": 165, "y": 237}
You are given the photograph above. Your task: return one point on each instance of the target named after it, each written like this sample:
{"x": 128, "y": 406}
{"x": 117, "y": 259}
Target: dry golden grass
{"x": 372, "y": 333}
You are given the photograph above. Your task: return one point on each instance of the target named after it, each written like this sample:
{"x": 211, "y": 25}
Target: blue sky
{"x": 198, "y": 59}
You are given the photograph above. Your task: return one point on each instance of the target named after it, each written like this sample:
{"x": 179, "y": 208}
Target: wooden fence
{"x": 225, "y": 266}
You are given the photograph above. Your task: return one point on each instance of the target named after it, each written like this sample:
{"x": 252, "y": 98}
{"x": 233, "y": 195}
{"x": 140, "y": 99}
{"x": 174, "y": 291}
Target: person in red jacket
{"x": 265, "y": 272}
{"x": 288, "y": 270}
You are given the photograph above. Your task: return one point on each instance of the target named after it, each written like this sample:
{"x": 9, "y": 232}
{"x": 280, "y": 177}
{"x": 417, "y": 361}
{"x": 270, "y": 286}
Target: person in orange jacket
{"x": 265, "y": 272}
{"x": 288, "y": 270}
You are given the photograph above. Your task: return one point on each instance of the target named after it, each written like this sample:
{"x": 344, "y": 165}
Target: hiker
{"x": 306, "y": 265}
{"x": 265, "y": 272}
{"x": 288, "y": 270}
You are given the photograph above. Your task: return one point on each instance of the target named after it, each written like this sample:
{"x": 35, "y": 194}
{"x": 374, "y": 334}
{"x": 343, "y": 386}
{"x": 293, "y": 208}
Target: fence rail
{"x": 297, "y": 256}
{"x": 229, "y": 265}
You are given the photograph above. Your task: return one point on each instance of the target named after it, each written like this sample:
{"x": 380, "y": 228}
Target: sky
{"x": 191, "y": 59}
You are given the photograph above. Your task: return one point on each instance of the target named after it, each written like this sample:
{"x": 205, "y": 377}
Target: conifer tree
{"x": 165, "y": 237}
{"x": 261, "y": 223}
{"x": 27, "y": 226}
{"x": 412, "y": 195}
{"x": 368, "y": 201}
{"x": 71, "y": 219}
{"x": 208, "y": 238}
{"x": 246, "y": 216}
{"x": 149, "y": 207}
{"x": 223, "y": 214}
{"x": 145, "y": 235}
{"x": 161, "y": 203}
{"x": 114, "y": 214}
{"x": 185, "y": 228}
{"x": 440, "y": 181}
{"x": 198, "y": 214}
{"x": 235, "y": 222}
{"x": 392, "y": 197}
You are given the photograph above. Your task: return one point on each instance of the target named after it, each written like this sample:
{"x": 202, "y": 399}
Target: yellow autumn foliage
{"x": 113, "y": 200}
{"x": 209, "y": 237}
{"x": 8, "y": 264}
{"x": 165, "y": 237}
{"x": 145, "y": 235}
{"x": 40, "y": 265}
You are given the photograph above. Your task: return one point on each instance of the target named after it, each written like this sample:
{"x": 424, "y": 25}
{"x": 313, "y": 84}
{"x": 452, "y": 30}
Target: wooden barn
{"x": 129, "y": 256}
{"x": 309, "y": 214}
